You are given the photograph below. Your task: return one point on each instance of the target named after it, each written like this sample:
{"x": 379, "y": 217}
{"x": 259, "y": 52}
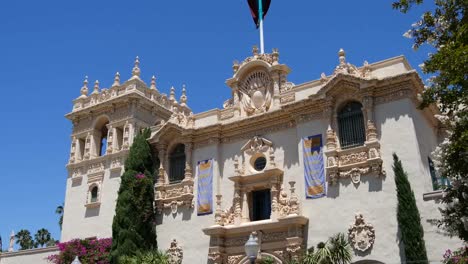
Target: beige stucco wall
{"x": 31, "y": 256}
{"x": 402, "y": 130}
{"x": 82, "y": 222}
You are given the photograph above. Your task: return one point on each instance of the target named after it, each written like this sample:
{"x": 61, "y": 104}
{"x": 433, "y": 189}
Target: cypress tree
{"x": 133, "y": 227}
{"x": 409, "y": 221}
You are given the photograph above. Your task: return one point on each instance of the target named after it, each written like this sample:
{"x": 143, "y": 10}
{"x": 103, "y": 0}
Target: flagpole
{"x": 260, "y": 14}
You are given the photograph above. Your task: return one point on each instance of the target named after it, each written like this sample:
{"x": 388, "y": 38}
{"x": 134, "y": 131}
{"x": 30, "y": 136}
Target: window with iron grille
{"x": 177, "y": 164}
{"x": 351, "y": 125}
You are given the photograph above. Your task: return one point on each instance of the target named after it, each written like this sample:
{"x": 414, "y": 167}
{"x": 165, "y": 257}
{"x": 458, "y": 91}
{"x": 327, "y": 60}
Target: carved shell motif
{"x": 256, "y": 92}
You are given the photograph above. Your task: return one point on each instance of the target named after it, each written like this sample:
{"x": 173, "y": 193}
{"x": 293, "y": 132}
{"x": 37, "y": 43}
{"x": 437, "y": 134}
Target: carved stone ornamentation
{"x": 234, "y": 259}
{"x": 361, "y": 234}
{"x": 353, "y": 158}
{"x": 175, "y": 253}
{"x": 294, "y": 251}
{"x": 354, "y": 162}
{"x": 256, "y": 93}
{"x": 173, "y": 196}
{"x": 257, "y": 145}
{"x": 215, "y": 258}
{"x": 354, "y": 174}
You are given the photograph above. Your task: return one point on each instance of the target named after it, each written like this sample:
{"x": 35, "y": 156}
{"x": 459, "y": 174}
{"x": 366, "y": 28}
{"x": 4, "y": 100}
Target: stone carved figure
{"x": 175, "y": 253}
{"x": 12, "y": 241}
{"x": 256, "y": 95}
{"x": 355, "y": 174}
{"x": 283, "y": 202}
{"x": 361, "y": 234}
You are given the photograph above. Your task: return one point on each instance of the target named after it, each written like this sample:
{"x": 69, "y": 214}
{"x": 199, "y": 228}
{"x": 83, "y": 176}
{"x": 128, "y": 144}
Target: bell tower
{"x": 105, "y": 123}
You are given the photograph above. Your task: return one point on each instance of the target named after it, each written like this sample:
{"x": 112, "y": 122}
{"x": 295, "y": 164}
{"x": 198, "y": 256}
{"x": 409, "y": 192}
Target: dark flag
{"x": 254, "y": 9}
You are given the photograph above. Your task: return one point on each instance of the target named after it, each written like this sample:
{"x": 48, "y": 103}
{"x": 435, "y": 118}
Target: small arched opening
{"x": 101, "y": 136}
{"x": 94, "y": 194}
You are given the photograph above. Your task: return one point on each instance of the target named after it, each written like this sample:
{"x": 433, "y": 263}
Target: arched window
{"x": 94, "y": 194}
{"x": 351, "y": 125}
{"x": 100, "y": 136}
{"x": 177, "y": 164}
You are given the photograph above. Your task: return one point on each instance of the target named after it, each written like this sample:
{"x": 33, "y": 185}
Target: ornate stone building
{"x": 255, "y": 146}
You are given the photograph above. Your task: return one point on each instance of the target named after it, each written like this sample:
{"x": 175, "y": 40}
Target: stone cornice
{"x": 406, "y": 85}
{"x": 125, "y": 98}
{"x": 263, "y": 225}
{"x": 105, "y": 158}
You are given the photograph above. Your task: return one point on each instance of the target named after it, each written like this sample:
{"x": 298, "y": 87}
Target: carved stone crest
{"x": 256, "y": 93}
{"x": 361, "y": 234}
{"x": 257, "y": 145}
{"x": 175, "y": 253}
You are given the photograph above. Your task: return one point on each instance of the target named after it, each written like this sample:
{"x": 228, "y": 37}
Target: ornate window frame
{"x": 172, "y": 196}
{"x": 94, "y": 181}
{"x": 357, "y": 161}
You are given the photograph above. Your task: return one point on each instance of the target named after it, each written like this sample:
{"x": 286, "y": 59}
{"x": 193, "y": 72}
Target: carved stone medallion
{"x": 361, "y": 234}
{"x": 175, "y": 253}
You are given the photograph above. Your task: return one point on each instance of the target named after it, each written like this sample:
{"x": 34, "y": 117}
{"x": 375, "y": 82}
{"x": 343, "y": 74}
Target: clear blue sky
{"x": 47, "y": 47}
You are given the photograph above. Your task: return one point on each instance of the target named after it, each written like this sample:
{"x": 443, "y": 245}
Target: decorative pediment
{"x": 167, "y": 132}
{"x": 347, "y": 68}
{"x": 257, "y": 144}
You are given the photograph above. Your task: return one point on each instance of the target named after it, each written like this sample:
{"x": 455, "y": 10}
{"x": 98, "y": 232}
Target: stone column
{"x": 237, "y": 205}
{"x": 236, "y": 100}
{"x": 110, "y": 139}
{"x": 87, "y": 148}
{"x": 126, "y": 136}
{"x": 245, "y": 206}
{"x": 219, "y": 211}
{"x": 162, "y": 148}
{"x": 73, "y": 150}
{"x": 276, "y": 76}
{"x": 188, "y": 161}
{"x": 368, "y": 105}
{"x": 274, "y": 201}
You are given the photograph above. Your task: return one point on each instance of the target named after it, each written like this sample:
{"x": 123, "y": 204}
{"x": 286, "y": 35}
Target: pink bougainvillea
{"x": 459, "y": 256}
{"x": 89, "y": 251}
{"x": 140, "y": 176}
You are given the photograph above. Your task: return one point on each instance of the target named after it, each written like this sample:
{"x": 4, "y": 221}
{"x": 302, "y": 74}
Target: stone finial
{"x": 84, "y": 89}
{"x": 172, "y": 94}
{"x": 342, "y": 56}
{"x": 136, "y": 68}
{"x": 153, "y": 83}
{"x": 96, "y": 87}
{"x": 235, "y": 66}
{"x": 116, "y": 79}
{"x": 275, "y": 56}
{"x": 255, "y": 50}
{"x": 183, "y": 97}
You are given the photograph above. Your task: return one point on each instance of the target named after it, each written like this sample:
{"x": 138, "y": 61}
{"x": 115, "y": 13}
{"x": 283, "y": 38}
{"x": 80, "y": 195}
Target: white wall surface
{"x": 31, "y": 256}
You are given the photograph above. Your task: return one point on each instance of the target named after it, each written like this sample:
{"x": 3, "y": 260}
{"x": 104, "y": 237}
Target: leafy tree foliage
{"x": 42, "y": 237}
{"x": 409, "y": 221}
{"x": 151, "y": 257}
{"x": 133, "y": 228}
{"x": 446, "y": 29}
{"x": 335, "y": 251}
{"x": 24, "y": 239}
